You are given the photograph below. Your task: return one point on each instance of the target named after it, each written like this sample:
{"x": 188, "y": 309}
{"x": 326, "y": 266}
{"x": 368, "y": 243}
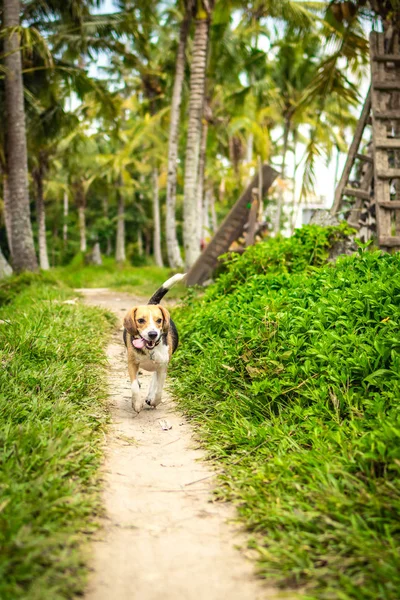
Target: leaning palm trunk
{"x": 23, "y": 250}
{"x": 120, "y": 255}
{"x": 41, "y": 220}
{"x": 5, "y": 268}
{"x": 156, "y": 220}
{"x": 200, "y": 180}
{"x": 196, "y": 105}
{"x": 174, "y": 254}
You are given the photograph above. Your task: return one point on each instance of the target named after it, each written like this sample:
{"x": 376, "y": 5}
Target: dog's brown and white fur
{"x": 151, "y": 338}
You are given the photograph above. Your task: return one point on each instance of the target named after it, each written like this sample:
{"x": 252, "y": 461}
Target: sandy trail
{"x": 161, "y": 539}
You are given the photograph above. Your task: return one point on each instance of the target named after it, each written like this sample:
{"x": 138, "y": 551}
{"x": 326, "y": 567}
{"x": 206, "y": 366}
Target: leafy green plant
{"x": 291, "y": 372}
{"x": 51, "y": 427}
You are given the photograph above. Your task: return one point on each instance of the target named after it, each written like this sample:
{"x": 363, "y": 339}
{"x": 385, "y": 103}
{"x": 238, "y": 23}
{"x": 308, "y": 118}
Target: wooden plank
{"x": 357, "y": 193}
{"x": 388, "y": 115}
{"x": 365, "y": 158}
{"x": 351, "y": 155}
{"x": 365, "y": 186}
{"x": 390, "y": 86}
{"x": 394, "y": 58}
{"x": 391, "y": 204}
{"x": 379, "y": 105}
{"x": 230, "y": 229}
{"x": 388, "y": 173}
{"x": 389, "y": 241}
{"x": 387, "y": 143}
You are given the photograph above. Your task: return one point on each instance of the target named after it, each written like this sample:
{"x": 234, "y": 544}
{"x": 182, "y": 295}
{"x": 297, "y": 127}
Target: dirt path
{"x": 162, "y": 539}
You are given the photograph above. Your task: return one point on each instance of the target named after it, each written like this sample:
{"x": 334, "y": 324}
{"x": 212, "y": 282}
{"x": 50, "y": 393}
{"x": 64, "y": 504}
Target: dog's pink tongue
{"x": 139, "y": 343}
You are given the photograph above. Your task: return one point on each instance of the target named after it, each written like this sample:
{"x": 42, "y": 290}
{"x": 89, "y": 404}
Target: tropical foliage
{"x": 300, "y": 403}
{"x": 142, "y": 125}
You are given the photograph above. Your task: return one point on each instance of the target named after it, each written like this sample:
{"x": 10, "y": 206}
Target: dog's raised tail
{"x": 167, "y": 285}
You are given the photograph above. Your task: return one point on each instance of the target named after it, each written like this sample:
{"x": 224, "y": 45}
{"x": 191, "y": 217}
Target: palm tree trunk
{"x": 200, "y": 180}
{"x": 140, "y": 242}
{"x": 81, "y": 203}
{"x": 41, "y": 219}
{"x": 120, "y": 255}
{"x": 65, "y": 214}
{"x": 214, "y": 220}
{"x": 108, "y": 237}
{"x": 206, "y": 215}
{"x": 7, "y": 211}
{"x": 156, "y": 220}
{"x": 337, "y": 162}
{"x": 295, "y": 167}
{"x": 249, "y": 148}
{"x": 277, "y": 225}
{"x": 174, "y": 253}
{"x": 5, "y": 268}
{"x": 196, "y": 105}
{"x": 23, "y": 249}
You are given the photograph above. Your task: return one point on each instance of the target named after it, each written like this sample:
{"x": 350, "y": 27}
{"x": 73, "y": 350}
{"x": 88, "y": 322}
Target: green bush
{"x": 51, "y": 427}
{"x": 291, "y": 370}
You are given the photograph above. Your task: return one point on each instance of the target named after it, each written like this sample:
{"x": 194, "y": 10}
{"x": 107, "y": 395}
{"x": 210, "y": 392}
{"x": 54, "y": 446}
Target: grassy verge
{"x": 291, "y": 373}
{"x": 51, "y": 425}
{"x": 141, "y": 281}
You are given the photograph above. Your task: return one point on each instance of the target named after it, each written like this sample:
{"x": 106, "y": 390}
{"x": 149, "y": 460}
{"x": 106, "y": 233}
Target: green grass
{"x": 141, "y": 281}
{"x": 290, "y": 369}
{"x": 52, "y": 418}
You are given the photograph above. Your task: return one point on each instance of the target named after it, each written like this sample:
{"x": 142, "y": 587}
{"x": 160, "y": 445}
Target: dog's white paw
{"x": 150, "y": 401}
{"x": 154, "y": 401}
{"x": 137, "y": 403}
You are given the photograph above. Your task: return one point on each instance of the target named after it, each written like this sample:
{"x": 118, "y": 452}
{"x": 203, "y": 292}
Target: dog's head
{"x": 148, "y": 323}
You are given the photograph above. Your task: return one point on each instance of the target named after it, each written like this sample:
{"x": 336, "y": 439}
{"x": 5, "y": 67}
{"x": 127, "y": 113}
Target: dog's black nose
{"x": 152, "y": 335}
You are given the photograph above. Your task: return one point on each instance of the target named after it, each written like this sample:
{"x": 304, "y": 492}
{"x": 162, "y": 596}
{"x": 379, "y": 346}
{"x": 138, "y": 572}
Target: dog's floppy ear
{"x": 130, "y": 323}
{"x": 166, "y": 318}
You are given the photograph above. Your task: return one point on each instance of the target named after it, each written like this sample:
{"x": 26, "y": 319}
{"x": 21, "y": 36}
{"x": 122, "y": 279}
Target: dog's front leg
{"x": 137, "y": 403}
{"x": 159, "y": 384}
{"x": 152, "y": 389}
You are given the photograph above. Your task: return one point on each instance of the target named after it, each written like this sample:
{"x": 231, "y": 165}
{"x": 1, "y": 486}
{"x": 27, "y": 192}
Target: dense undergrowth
{"x": 290, "y": 368}
{"x": 141, "y": 281}
{"x": 51, "y": 423}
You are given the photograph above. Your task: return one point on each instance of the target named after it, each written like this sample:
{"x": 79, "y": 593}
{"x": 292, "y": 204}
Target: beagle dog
{"x": 151, "y": 338}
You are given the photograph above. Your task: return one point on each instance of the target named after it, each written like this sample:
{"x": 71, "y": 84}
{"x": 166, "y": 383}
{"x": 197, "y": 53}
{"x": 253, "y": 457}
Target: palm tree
{"x": 174, "y": 254}
{"x": 120, "y": 254}
{"x": 196, "y": 106}
{"x": 156, "y": 219}
{"x": 38, "y": 176}
{"x": 5, "y": 268}
{"x": 23, "y": 250}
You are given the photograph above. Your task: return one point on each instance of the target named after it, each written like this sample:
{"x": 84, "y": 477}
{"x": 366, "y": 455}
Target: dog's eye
{"x": 159, "y": 320}
{"x": 141, "y": 320}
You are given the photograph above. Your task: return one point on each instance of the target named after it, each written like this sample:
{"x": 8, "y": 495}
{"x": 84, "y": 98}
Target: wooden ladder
{"x": 362, "y": 192}
{"x": 385, "y": 97}
{"x": 380, "y": 181}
